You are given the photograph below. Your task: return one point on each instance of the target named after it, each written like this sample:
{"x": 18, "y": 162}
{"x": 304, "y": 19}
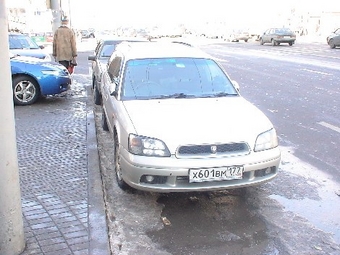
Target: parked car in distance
{"x": 23, "y": 45}
{"x": 99, "y": 60}
{"x": 180, "y": 124}
{"x": 33, "y": 78}
{"x": 276, "y": 36}
{"x": 238, "y": 35}
{"x": 87, "y": 33}
{"x": 333, "y": 40}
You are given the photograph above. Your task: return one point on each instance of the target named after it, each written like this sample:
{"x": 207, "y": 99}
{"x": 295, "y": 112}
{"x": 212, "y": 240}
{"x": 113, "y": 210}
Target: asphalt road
{"x": 297, "y": 213}
{"x": 298, "y": 88}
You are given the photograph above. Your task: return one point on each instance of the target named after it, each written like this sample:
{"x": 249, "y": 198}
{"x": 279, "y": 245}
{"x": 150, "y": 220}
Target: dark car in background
{"x": 23, "y": 45}
{"x": 333, "y": 40}
{"x": 276, "y": 36}
{"x": 99, "y": 60}
{"x": 33, "y": 78}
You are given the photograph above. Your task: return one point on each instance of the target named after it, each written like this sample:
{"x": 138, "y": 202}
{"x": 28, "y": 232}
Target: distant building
{"x": 29, "y": 16}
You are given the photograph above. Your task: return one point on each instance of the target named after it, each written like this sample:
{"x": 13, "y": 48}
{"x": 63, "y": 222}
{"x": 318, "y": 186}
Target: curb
{"x": 98, "y": 230}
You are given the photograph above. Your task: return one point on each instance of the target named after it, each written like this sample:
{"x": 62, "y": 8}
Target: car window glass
{"x": 107, "y": 50}
{"x": 148, "y": 78}
{"x": 21, "y": 42}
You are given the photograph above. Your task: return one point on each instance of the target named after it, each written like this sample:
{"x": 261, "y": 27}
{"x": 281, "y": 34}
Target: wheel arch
{"x": 29, "y": 76}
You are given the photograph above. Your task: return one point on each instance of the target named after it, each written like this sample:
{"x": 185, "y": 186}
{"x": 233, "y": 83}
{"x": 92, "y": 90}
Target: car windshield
{"x": 21, "y": 42}
{"x": 107, "y": 50}
{"x": 175, "y": 78}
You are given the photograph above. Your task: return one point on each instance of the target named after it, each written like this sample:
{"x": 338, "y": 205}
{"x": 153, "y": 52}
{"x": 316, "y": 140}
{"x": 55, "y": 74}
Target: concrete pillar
{"x": 11, "y": 221}
{"x": 56, "y": 13}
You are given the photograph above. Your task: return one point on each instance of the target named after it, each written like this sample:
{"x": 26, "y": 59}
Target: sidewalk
{"x": 61, "y": 186}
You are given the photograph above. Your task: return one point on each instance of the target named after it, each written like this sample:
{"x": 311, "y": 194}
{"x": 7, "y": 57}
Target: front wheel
{"x": 26, "y": 90}
{"x": 96, "y": 95}
{"x": 261, "y": 41}
{"x": 104, "y": 121}
{"x": 121, "y": 183}
{"x": 331, "y": 44}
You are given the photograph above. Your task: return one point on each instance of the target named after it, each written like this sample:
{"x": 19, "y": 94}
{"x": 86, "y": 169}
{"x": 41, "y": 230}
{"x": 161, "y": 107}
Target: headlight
{"x": 146, "y": 146}
{"x": 52, "y": 72}
{"x": 266, "y": 140}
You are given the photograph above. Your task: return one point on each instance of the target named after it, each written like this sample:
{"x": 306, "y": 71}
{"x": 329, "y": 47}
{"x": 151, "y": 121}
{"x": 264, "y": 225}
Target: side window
{"x": 114, "y": 69}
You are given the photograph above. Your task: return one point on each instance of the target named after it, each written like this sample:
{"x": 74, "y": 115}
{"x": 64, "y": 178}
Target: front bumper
{"x": 172, "y": 174}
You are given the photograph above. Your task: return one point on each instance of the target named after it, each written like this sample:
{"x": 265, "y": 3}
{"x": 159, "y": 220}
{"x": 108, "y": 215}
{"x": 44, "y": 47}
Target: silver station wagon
{"x": 180, "y": 124}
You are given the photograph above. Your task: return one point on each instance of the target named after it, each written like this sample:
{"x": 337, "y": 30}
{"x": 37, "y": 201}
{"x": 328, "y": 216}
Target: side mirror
{"x": 91, "y": 57}
{"x": 41, "y": 46}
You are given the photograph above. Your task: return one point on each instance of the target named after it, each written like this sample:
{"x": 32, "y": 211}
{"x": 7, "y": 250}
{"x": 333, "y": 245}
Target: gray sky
{"x": 165, "y": 12}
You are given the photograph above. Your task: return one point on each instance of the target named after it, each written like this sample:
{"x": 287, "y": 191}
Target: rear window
{"x": 157, "y": 78}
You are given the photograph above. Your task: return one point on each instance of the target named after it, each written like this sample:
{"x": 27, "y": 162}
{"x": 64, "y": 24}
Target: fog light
{"x": 149, "y": 178}
{"x": 268, "y": 171}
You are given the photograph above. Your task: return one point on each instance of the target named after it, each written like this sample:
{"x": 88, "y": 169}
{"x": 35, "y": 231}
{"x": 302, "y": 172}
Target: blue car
{"x": 33, "y": 78}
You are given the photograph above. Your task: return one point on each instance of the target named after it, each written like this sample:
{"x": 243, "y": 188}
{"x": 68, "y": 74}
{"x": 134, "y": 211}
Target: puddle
{"x": 318, "y": 200}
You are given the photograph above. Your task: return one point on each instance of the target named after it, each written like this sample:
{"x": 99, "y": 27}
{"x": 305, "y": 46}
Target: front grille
{"x": 212, "y": 149}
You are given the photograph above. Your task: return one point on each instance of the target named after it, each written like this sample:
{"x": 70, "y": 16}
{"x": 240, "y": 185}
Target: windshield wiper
{"x": 223, "y": 94}
{"x": 176, "y": 95}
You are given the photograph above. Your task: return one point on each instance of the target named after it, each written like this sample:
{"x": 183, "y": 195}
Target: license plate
{"x": 216, "y": 174}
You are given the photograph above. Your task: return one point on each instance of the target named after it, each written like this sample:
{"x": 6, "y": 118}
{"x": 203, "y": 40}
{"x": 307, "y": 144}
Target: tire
{"x": 93, "y": 81}
{"x": 104, "y": 121}
{"x": 26, "y": 90}
{"x": 291, "y": 44}
{"x": 246, "y": 40}
{"x": 331, "y": 44}
{"x": 273, "y": 42}
{"x": 96, "y": 96}
{"x": 118, "y": 170}
{"x": 261, "y": 41}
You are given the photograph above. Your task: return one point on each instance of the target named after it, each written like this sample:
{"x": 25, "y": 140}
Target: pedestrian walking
{"x": 64, "y": 46}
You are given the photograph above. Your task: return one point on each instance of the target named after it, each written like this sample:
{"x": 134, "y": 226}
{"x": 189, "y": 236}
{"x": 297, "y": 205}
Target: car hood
{"x": 332, "y": 36}
{"x": 36, "y": 53}
{"x": 19, "y": 63}
{"x": 193, "y": 121}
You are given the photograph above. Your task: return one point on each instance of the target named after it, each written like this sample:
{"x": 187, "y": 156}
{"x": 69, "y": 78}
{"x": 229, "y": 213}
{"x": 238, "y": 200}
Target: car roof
{"x": 141, "y": 50}
{"x": 112, "y": 40}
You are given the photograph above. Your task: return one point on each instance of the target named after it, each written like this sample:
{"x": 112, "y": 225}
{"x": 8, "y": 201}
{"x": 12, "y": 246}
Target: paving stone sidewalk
{"x": 61, "y": 187}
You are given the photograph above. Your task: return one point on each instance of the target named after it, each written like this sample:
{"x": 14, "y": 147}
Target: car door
{"x": 266, "y": 36}
{"x": 110, "y": 89}
{"x": 95, "y": 64}
{"x": 337, "y": 37}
